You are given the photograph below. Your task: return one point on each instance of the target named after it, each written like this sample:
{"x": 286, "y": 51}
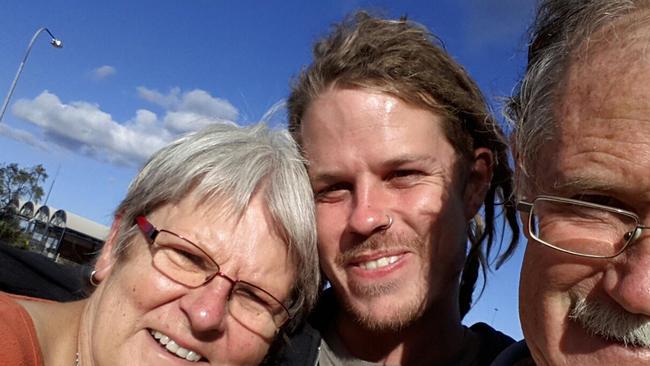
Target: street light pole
{"x": 55, "y": 42}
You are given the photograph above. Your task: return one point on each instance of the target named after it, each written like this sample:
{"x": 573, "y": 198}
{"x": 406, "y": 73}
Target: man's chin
{"x": 385, "y": 314}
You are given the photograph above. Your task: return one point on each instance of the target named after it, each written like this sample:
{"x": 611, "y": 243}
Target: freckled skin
{"x": 603, "y": 138}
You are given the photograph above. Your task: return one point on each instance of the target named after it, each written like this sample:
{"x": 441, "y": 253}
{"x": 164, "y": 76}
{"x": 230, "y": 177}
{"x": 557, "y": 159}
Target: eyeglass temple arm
{"x": 149, "y": 230}
{"x": 524, "y": 206}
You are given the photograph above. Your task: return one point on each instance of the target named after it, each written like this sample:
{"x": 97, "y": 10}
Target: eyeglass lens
{"x": 184, "y": 262}
{"x": 581, "y": 229}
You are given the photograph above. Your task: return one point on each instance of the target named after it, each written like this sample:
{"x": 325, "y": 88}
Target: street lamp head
{"x": 56, "y": 43}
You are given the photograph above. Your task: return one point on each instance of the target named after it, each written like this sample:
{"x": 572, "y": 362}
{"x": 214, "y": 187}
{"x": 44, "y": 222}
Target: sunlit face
{"x": 371, "y": 157}
{"x": 601, "y": 153}
{"x": 135, "y": 298}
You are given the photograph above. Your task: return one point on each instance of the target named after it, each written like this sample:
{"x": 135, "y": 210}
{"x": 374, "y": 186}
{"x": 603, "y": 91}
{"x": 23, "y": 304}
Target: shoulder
{"x": 18, "y": 339}
{"x": 493, "y": 342}
{"x": 302, "y": 346}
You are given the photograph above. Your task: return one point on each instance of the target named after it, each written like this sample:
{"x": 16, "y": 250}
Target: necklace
{"x": 76, "y": 359}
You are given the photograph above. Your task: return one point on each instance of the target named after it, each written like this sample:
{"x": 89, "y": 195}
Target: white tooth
{"x": 172, "y": 346}
{"x": 382, "y": 262}
{"x": 182, "y": 352}
{"x": 192, "y": 356}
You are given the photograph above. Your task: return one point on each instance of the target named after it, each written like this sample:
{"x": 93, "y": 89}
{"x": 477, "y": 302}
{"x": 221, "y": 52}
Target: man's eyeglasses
{"x": 581, "y": 228}
{"x": 186, "y": 263}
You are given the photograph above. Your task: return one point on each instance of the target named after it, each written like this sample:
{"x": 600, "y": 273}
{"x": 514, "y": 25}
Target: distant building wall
{"x": 59, "y": 234}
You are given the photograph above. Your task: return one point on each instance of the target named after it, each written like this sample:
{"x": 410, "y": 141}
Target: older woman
{"x": 211, "y": 254}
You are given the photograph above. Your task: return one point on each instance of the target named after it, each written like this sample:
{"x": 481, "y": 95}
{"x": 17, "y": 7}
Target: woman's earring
{"x": 92, "y": 279}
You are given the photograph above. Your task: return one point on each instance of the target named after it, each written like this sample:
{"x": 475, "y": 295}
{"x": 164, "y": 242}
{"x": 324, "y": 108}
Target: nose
{"x": 207, "y": 306}
{"x": 369, "y": 212}
{"x": 627, "y": 280}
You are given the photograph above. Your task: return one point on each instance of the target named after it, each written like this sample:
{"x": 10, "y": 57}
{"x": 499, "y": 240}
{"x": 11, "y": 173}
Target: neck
{"x": 84, "y": 336}
{"x": 436, "y": 337}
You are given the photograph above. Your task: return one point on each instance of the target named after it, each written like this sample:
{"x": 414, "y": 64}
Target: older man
{"x": 584, "y": 105}
{"x": 403, "y": 153}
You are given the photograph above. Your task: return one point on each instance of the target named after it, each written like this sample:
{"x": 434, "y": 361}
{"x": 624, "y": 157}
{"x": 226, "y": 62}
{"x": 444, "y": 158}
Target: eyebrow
{"x": 333, "y": 176}
{"x": 410, "y": 158}
{"x": 581, "y": 184}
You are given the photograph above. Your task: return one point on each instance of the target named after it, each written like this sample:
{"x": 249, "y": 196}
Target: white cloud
{"x": 191, "y": 110}
{"x": 103, "y": 72}
{"x": 169, "y": 101}
{"x": 86, "y": 129}
{"x": 22, "y": 136}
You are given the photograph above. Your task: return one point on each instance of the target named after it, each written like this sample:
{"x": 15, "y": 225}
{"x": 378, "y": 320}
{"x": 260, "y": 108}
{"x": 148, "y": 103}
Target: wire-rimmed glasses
{"x": 581, "y": 228}
{"x": 186, "y": 263}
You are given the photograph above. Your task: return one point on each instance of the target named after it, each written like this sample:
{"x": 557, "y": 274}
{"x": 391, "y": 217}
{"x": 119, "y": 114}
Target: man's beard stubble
{"x": 409, "y": 310}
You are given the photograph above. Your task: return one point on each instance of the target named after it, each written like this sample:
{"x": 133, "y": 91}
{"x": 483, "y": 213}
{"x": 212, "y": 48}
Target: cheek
{"x": 548, "y": 273}
{"x": 330, "y": 226}
{"x": 330, "y": 220}
{"x": 434, "y": 214}
{"x": 140, "y": 285}
{"x": 548, "y": 278}
{"x": 253, "y": 349}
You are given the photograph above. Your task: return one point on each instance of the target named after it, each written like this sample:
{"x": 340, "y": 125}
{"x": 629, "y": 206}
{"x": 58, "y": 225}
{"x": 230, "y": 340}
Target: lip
{"x": 355, "y": 269}
{"x": 163, "y": 353}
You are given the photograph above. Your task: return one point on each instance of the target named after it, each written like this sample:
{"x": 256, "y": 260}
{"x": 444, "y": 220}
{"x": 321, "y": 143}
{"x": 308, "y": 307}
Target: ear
{"x": 106, "y": 259}
{"x": 478, "y": 181}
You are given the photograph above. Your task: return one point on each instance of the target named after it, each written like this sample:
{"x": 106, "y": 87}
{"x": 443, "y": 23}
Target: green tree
{"x": 17, "y": 182}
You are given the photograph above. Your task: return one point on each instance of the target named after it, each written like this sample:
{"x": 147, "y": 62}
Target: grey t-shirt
{"x": 334, "y": 353}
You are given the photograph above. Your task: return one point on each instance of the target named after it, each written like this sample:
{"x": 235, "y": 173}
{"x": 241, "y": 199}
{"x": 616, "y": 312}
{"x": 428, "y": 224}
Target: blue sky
{"x": 132, "y": 75}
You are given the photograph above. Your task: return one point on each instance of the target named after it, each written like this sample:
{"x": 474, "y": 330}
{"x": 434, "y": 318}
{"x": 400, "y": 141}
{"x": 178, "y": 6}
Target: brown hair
{"x": 401, "y": 58}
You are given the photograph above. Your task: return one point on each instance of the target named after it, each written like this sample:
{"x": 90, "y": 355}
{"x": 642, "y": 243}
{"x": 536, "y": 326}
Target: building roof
{"x": 71, "y": 221}
{"x": 86, "y": 226}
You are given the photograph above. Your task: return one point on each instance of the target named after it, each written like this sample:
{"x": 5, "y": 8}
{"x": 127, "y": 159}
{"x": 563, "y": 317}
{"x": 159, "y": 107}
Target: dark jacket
{"x": 32, "y": 274}
{"x": 517, "y": 354}
{"x": 303, "y": 346}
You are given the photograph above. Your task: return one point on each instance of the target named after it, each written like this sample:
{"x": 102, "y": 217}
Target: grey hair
{"x": 225, "y": 165}
{"x": 559, "y": 29}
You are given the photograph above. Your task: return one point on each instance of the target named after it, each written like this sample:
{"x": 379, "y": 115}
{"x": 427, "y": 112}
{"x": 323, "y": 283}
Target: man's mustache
{"x": 380, "y": 241}
{"x": 633, "y": 330}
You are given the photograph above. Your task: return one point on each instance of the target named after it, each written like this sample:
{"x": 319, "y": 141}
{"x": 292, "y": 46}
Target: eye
{"x": 404, "y": 176}
{"x": 190, "y": 257}
{"x": 249, "y": 293}
{"x": 332, "y": 192}
{"x": 184, "y": 257}
{"x": 251, "y": 298}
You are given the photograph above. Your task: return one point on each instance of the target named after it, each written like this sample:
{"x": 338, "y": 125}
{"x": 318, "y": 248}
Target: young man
{"x": 402, "y": 154}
